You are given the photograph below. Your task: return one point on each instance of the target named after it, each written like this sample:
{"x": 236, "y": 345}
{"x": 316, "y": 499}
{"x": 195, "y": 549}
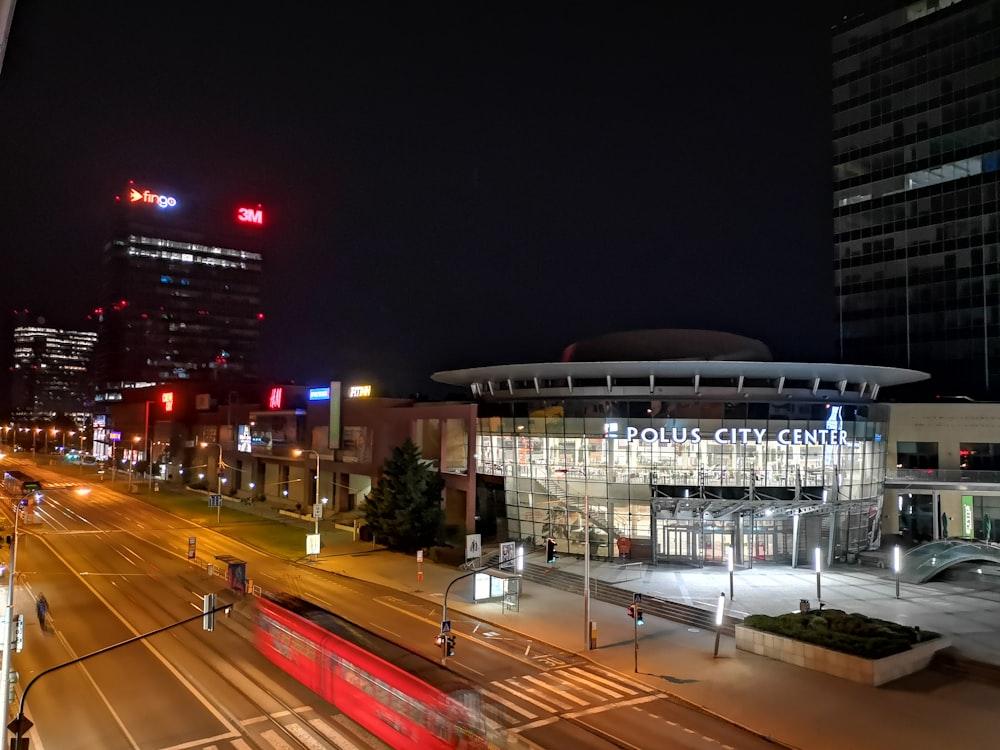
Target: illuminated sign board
{"x": 167, "y": 399}
{"x": 250, "y": 215}
{"x": 359, "y": 391}
{"x": 114, "y": 436}
{"x": 274, "y": 398}
{"x": 728, "y": 435}
{"x": 145, "y": 196}
{"x": 319, "y": 394}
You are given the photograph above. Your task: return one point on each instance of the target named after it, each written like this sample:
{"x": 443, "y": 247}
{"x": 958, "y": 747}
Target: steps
{"x": 610, "y": 593}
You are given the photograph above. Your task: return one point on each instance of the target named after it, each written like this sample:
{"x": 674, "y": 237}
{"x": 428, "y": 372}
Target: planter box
{"x": 854, "y": 668}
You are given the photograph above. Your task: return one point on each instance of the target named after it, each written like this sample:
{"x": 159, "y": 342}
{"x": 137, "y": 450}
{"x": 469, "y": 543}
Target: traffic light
{"x": 208, "y": 607}
{"x": 451, "y": 645}
{"x": 635, "y": 611}
{"x": 439, "y": 640}
{"x": 550, "y": 550}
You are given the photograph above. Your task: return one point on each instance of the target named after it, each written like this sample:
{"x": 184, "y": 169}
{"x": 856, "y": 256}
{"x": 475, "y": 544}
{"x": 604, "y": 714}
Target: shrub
{"x": 854, "y": 633}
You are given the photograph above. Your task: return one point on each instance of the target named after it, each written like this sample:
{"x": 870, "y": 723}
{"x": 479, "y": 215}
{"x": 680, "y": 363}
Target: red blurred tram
{"x": 407, "y": 701}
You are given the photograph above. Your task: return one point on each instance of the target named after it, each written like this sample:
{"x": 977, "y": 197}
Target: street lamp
{"x": 317, "y": 508}
{"x": 896, "y": 566}
{"x": 131, "y": 461}
{"x": 819, "y": 589}
{"x": 8, "y": 625}
{"x": 219, "y": 466}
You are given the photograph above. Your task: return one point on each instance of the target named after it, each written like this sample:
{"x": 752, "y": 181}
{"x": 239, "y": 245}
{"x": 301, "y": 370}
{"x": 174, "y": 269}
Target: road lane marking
{"x": 330, "y": 733}
{"x": 611, "y": 706}
{"x": 535, "y": 691}
{"x": 589, "y": 684}
{"x": 522, "y": 696}
{"x": 299, "y": 732}
{"x": 504, "y": 702}
{"x": 562, "y": 694}
{"x": 591, "y": 676}
{"x": 275, "y": 741}
{"x": 197, "y": 694}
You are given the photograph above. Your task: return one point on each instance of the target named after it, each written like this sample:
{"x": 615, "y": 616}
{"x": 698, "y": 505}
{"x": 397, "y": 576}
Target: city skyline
{"x": 458, "y": 188}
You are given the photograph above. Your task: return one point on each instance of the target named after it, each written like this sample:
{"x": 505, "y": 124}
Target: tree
{"x": 404, "y": 508}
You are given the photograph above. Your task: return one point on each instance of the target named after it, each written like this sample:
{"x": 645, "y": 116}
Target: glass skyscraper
{"x": 916, "y": 150}
{"x": 50, "y": 370}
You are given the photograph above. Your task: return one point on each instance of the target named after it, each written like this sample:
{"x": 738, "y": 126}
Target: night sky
{"x": 445, "y": 185}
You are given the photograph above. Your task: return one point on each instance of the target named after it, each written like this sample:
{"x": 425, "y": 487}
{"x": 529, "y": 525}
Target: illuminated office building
{"x": 181, "y": 296}
{"x": 916, "y": 151}
{"x": 50, "y": 372}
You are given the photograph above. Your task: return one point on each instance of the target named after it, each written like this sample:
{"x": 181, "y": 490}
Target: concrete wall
{"x": 866, "y": 671}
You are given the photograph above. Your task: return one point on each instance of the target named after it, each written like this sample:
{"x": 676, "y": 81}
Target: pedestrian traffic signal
{"x": 635, "y": 611}
{"x": 550, "y": 550}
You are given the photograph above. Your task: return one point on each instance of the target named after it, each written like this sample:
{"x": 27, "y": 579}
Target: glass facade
{"x": 916, "y": 153}
{"x": 51, "y": 371}
{"x": 684, "y": 479}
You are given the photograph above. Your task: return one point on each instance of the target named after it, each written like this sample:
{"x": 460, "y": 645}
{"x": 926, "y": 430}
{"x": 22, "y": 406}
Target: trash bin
{"x": 804, "y": 605}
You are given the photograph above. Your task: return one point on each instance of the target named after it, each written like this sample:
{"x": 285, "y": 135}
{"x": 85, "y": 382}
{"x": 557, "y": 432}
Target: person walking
{"x": 42, "y": 607}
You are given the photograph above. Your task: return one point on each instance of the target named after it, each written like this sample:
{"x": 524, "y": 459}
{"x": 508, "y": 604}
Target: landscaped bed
{"x": 855, "y": 634}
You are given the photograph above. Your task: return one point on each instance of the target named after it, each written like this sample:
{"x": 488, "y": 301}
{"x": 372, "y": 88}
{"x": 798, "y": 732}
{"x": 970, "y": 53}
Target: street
{"x": 113, "y": 567}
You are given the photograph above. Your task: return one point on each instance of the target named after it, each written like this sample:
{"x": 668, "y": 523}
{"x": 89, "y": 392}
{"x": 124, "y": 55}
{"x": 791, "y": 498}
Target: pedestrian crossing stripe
{"x": 512, "y": 706}
{"x": 567, "y": 695}
{"x": 559, "y": 691}
{"x": 617, "y": 684}
{"x": 545, "y": 707}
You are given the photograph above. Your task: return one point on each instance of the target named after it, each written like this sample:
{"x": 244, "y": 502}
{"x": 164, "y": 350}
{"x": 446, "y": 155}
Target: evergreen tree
{"x": 404, "y": 508}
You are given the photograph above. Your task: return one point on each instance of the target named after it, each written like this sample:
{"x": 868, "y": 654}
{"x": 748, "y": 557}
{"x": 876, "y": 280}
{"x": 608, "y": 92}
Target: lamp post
{"x": 317, "y": 508}
{"x": 145, "y": 447}
{"x": 729, "y": 565}
{"x": 219, "y": 466}
{"x": 896, "y": 565}
{"x": 8, "y": 625}
{"x": 131, "y": 461}
{"x": 819, "y": 590}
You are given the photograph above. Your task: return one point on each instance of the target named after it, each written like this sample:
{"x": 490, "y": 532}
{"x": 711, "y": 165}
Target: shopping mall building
{"x": 684, "y": 443}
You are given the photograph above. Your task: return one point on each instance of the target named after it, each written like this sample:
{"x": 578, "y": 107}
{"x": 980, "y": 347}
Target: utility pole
{"x": 8, "y": 619}
{"x": 22, "y": 723}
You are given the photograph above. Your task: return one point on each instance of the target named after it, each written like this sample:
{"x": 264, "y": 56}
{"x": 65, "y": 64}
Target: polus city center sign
{"x": 145, "y": 196}
{"x": 727, "y": 435}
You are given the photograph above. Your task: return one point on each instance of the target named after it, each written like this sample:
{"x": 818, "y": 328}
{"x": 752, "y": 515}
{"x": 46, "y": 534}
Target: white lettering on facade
{"x": 736, "y": 436}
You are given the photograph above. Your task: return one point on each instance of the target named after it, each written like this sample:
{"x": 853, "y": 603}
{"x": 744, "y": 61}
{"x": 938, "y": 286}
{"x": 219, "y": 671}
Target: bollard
{"x": 593, "y": 634}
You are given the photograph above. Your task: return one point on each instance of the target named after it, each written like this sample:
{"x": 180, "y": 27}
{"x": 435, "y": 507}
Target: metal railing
{"x": 943, "y": 475}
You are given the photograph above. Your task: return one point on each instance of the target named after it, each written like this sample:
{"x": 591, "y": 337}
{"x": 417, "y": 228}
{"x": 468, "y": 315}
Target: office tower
{"x": 181, "y": 291}
{"x": 916, "y": 141}
{"x": 50, "y": 373}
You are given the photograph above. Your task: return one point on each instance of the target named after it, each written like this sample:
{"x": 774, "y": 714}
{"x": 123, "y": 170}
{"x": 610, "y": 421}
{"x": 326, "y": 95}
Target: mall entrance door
{"x": 678, "y": 541}
{"x": 718, "y": 536}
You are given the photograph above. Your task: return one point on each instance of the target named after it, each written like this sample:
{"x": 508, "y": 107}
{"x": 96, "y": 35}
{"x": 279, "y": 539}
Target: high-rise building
{"x": 50, "y": 373}
{"x": 916, "y": 151}
{"x": 181, "y": 291}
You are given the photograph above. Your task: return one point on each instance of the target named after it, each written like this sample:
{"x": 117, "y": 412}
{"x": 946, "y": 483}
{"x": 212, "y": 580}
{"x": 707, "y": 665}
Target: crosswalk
{"x": 294, "y": 733}
{"x": 529, "y": 697}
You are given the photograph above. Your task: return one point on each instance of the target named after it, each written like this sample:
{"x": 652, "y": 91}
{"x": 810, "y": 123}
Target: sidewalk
{"x": 795, "y": 707}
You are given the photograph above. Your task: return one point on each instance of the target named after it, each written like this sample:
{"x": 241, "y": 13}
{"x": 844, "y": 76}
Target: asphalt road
{"x": 113, "y": 567}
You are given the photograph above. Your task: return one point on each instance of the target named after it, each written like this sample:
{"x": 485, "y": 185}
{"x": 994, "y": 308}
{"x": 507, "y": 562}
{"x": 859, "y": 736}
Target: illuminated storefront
{"x": 685, "y": 458}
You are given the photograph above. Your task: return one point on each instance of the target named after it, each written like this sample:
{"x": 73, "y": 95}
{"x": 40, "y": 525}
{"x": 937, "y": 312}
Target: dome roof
{"x": 667, "y": 344}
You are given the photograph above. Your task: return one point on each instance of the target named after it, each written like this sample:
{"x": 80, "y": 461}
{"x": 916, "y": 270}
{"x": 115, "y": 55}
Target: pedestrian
{"x": 624, "y": 548}
{"x": 42, "y": 607}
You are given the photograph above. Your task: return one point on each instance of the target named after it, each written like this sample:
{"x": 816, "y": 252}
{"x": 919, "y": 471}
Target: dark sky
{"x": 446, "y": 185}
